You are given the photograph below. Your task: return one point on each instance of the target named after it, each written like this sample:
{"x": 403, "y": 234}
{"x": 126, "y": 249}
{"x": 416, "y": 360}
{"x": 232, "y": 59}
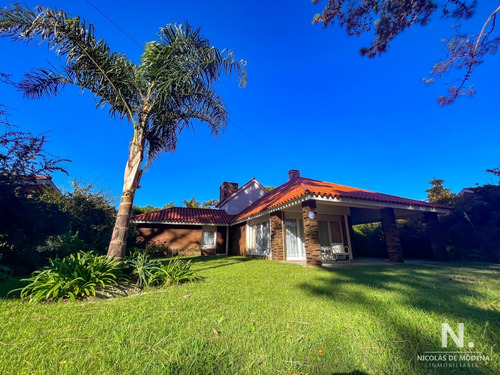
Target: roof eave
{"x": 352, "y": 202}
{"x": 176, "y": 223}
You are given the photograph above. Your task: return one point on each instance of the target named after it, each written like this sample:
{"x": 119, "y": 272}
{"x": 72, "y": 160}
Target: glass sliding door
{"x": 294, "y": 233}
{"x": 259, "y": 237}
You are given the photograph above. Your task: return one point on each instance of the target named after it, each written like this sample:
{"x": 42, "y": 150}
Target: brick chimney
{"x": 293, "y": 174}
{"x": 227, "y": 189}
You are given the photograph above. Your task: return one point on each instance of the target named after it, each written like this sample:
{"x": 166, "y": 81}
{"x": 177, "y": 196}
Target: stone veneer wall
{"x": 391, "y": 234}
{"x": 277, "y": 248}
{"x": 311, "y": 234}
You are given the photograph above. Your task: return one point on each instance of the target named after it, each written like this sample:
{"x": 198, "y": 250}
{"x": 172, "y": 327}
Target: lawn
{"x": 252, "y": 316}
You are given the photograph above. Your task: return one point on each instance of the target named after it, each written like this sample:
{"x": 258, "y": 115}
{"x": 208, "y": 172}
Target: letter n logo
{"x": 446, "y": 330}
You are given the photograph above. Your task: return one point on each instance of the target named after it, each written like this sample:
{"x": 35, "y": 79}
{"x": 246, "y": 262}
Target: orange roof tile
{"x": 304, "y": 186}
{"x": 185, "y": 215}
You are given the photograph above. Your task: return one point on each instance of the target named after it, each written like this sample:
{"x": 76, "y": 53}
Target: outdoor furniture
{"x": 337, "y": 251}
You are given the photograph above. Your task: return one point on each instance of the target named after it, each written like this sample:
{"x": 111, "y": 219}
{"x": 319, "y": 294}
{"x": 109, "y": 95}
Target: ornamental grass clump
{"x": 176, "y": 271}
{"x": 140, "y": 268}
{"x": 146, "y": 272}
{"x": 75, "y": 276}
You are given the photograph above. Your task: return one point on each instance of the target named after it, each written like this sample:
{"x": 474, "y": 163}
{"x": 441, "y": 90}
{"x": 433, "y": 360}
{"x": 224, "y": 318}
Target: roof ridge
{"x": 187, "y": 215}
{"x": 241, "y": 187}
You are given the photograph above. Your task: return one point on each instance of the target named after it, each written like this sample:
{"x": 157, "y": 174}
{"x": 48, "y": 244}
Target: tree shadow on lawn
{"x": 213, "y": 261}
{"x": 443, "y": 294}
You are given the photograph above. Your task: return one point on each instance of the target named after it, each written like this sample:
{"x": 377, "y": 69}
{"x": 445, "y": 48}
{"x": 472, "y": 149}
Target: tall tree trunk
{"x": 133, "y": 174}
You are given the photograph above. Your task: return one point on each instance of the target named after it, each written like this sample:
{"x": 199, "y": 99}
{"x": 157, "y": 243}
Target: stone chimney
{"x": 293, "y": 174}
{"x": 227, "y": 189}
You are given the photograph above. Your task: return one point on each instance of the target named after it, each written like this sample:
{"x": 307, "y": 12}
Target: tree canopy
{"x": 212, "y": 203}
{"x": 23, "y": 155}
{"x": 440, "y": 194}
{"x": 170, "y": 88}
{"x": 388, "y": 18}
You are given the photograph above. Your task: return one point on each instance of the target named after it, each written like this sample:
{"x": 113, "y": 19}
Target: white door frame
{"x": 300, "y": 243}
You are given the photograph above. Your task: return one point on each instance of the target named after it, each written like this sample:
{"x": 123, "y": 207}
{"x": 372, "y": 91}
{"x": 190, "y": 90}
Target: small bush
{"x": 73, "y": 277}
{"x": 140, "y": 268}
{"x": 158, "y": 249}
{"x": 144, "y": 271}
{"x": 61, "y": 245}
{"x": 175, "y": 272}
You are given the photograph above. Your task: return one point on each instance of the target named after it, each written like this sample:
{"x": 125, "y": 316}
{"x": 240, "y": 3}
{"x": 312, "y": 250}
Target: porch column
{"x": 436, "y": 237}
{"x": 391, "y": 235}
{"x": 277, "y": 249}
{"x": 311, "y": 233}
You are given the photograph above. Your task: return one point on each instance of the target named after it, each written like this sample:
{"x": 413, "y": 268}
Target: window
{"x": 336, "y": 232}
{"x": 330, "y": 232}
{"x": 324, "y": 237}
{"x": 209, "y": 237}
{"x": 259, "y": 242}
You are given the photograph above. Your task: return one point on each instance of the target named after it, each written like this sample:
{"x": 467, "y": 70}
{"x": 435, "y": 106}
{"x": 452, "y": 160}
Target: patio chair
{"x": 339, "y": 251}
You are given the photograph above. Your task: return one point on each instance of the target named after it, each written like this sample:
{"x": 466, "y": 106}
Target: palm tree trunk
{"x": 133, "y": 173}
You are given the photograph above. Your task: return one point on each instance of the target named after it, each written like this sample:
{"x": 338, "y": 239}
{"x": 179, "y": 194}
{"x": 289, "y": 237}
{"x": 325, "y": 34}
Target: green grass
{"x": 262, "y": 317}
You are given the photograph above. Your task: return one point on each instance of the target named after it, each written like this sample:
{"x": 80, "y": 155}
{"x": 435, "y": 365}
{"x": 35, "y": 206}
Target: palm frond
{"x": 42, "y": 82}
{"x": 171, "y": 87}
{"x": 89, "y": 62}
{"x": 178, "y": 113}
{"x": 182, "y": 51}
{"x": 180, "y": 69}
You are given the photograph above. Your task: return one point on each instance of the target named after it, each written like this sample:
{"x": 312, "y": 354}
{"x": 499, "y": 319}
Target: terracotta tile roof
{"x": 185, "y": 215}
{"x": 304, "y": 186}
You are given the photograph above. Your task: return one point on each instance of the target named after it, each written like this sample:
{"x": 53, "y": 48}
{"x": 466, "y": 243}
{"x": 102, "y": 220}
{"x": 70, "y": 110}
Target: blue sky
{"x": 312, "y": 103}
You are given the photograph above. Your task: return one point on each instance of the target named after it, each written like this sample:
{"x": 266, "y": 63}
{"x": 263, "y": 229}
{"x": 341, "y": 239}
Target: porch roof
{"x": 304, "y": 187}
{"x": 185, "y": 215}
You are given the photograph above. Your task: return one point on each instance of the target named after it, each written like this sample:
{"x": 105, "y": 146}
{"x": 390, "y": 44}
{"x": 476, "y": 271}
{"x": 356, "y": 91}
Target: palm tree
{"x": 160, "y": 96}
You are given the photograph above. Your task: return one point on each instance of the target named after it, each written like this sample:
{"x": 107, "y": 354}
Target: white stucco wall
{"x": 244, "y": 197}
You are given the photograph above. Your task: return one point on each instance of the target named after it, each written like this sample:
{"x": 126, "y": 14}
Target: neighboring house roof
{"x": 185, "y": 215}
{"x": 46, "y": 180}
{"x": 244, "y": 187}
{"x": 302, "y": 187}
{"x": 35, "y": 184}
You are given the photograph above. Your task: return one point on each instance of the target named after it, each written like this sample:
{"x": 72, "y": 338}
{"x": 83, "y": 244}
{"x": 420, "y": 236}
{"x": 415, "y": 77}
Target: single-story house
{"x": 302, "y": 220}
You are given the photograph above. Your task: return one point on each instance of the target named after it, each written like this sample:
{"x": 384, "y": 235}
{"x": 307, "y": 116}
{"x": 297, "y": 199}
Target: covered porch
{"x": 316, "y": 231}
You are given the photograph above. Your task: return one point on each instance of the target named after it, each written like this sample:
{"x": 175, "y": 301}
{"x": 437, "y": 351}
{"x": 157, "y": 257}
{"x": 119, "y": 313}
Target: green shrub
{"x": 158, "y": 249}
{"x": 140, "y": 268}
{"x": 472, "y": 227}
{"x": 368, "y": 240}
{"x": 144, "y": 271}
{"x": 61, "y": 245}
{"x": 73, "y": 277}
{"x": 176, "y": 271}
